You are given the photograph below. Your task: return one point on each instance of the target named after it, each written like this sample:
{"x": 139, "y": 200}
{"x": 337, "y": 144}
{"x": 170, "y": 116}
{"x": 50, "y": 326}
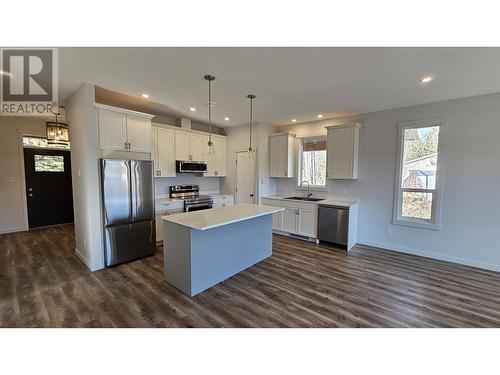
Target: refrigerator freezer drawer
{"x": 127, "y": 242}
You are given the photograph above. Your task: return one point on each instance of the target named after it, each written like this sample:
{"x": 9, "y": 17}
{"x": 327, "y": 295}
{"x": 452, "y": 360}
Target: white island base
{"x": 206, "y": 247}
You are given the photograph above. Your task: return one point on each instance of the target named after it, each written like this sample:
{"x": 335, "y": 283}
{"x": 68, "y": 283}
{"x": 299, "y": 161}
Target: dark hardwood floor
{"x": 44, "y": 284}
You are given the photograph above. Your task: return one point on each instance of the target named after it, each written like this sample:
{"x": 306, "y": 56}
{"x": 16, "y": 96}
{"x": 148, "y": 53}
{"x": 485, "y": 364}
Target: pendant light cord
{"x": 251, "y": 97}
{"x": 209, "y": 111}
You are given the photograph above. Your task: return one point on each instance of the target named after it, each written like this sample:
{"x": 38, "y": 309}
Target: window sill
{"x": 417, "y": 224}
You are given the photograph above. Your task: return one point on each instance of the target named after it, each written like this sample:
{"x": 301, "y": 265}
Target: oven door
{"x": 198, "y": 206}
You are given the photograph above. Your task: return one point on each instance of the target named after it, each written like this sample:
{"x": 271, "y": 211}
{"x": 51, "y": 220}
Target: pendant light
{"x": 211, "y": 149}
{"x": 57, "y": 132}
{"x": 250, "y": 149}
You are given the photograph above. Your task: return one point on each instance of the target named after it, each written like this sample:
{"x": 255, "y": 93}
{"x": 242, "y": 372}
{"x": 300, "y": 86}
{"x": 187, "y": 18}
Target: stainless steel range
{"x": 193, "y": 201}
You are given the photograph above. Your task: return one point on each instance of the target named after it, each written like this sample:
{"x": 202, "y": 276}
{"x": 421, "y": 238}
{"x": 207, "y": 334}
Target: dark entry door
{"x": 48, "y": 187}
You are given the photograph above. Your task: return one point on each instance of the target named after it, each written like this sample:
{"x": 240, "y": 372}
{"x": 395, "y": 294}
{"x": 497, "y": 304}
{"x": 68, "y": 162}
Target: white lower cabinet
{"x": 223, "y": 200}
{"x": 298, "y": 217}
{"x": 307, "y": 223}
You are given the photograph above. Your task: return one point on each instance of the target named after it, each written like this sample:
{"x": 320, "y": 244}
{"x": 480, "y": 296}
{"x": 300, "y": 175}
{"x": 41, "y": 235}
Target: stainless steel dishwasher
{"x": 333, "y": 225}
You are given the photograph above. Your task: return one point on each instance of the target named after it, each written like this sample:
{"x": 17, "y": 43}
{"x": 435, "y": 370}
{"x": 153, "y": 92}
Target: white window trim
{"x": 435, "y": 222}
{"x": 299, "y": 165}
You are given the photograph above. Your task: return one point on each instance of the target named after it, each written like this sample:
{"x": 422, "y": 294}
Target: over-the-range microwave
{"x": 182, "y": 166}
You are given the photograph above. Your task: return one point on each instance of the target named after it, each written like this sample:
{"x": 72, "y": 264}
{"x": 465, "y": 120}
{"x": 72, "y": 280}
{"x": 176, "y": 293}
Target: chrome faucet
{"x": 308, "y": 188}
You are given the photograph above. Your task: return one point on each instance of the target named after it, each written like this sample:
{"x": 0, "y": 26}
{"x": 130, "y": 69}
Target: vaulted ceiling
{"x": 297, "y": 83}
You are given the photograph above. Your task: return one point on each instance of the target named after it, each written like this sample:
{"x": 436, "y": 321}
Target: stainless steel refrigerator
{"x": 127, "y": 188}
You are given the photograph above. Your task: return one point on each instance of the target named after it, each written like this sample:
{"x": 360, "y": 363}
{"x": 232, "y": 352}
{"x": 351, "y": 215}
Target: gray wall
{"x": 471, "y": 196}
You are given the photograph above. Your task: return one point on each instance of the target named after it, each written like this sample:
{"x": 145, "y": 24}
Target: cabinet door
{"x": 197, "y": 144}
{"x": 290, "y": 220}
{"x": 165, "y": 152}
{"x": 112, "y": 130}
{"x": 342, "y": 151}
{"x": 159, "y": 227}
{"x": 220, "y": 156}
{"x": 278, "y": 220}
{"x": 210, "y": 159}
{"x": 182, "y": 145}
{"x": 139, "y": 133}
{"x": 278, "y": 156}
{"x": 154, "y": 150}
{"x": 307, "y": 223}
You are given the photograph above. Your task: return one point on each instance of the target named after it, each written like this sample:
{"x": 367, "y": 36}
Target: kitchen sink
{"x": 306, "y": 199}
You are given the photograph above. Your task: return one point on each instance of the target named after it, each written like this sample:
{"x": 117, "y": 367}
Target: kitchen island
{"x": 203, "y": 248}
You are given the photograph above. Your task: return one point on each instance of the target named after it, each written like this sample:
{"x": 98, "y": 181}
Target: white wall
{"x": 82, "y": 118}
{"x": 471, "y": 198}
{"x": 12, "y": 193}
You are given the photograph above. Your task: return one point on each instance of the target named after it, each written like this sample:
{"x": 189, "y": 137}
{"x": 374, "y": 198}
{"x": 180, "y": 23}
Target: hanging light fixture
{"x": 250, "y": 149}
{"x": 57, "y": 132}
{"x": 211, "y": 149}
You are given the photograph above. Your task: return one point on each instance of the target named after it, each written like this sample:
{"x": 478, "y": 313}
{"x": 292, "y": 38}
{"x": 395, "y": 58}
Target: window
{"x": 312, "y": 163}
{"x": 38, "y": 142}
{"x": 49, "y": 163}
{"x": 418, "y": 175}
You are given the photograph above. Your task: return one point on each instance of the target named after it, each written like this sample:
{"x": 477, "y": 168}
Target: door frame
{"x": 255, "y": 186}
{"x": 20, "y": 149}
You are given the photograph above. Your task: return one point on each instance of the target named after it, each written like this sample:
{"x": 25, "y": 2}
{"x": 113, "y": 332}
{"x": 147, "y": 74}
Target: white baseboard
{"x": 433, "y": 255}
{"x": 13, "y": 230}
{"x": 90, "y": 266}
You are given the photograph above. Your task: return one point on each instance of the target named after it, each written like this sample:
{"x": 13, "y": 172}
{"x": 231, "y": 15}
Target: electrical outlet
{"x": 10, "y": 180}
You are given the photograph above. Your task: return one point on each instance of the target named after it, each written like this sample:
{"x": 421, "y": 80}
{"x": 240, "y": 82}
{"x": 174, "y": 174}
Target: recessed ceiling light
{"x": 426, "y": 79}
{"x": 145, "y": 96}
{"x": 192, "y": 109}
{"x": 320, "y": 116}
{"x": 294, "y": 120}
{"x": 226, "y": 118}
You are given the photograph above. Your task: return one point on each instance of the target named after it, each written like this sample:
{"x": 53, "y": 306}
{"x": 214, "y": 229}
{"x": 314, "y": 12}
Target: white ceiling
{"x": 289, "y": 82}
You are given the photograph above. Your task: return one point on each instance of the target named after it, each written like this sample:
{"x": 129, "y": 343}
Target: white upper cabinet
{"x": 112, "y": 130}
{"x": 163, "y": 151}
{"x": 342, "y": 151}
{"x": 281, "y": 154}
{"x": 197, "y": 142}
{"x": 138, "y": 133}
{"x": 216, "y": 164}
{"x": 182, "y": 145}
{"x": 123, "y": 130}
{"x": 189, "y": 146}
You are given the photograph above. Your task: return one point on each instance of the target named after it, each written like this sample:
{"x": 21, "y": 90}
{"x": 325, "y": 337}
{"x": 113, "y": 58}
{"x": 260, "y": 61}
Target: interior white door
{"x": 139, "y": 133}
{"x": 245, "y": 178}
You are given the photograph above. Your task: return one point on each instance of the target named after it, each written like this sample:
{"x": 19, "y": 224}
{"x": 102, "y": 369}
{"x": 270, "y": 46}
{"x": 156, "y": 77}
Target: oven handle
{"x": 188, "y": 206}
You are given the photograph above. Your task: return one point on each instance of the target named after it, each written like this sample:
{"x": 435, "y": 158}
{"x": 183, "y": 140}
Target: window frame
{"x": 299, "y": 166}
{"x": 434, "y": 222}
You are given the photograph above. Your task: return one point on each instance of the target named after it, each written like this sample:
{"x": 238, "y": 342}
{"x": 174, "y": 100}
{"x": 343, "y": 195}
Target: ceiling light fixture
{"x": 250, "y": 149}
{"x": 226, "y": 118}
{"x": 57, "y": 132}
{"x": 426, "y": 79}
{"x": 211, "y": 150}
{"x": 320, "y": 116}
{"x": 294, "y": 120}
{"x": 145, "y": 96}
{"x": 192, "y": 109}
